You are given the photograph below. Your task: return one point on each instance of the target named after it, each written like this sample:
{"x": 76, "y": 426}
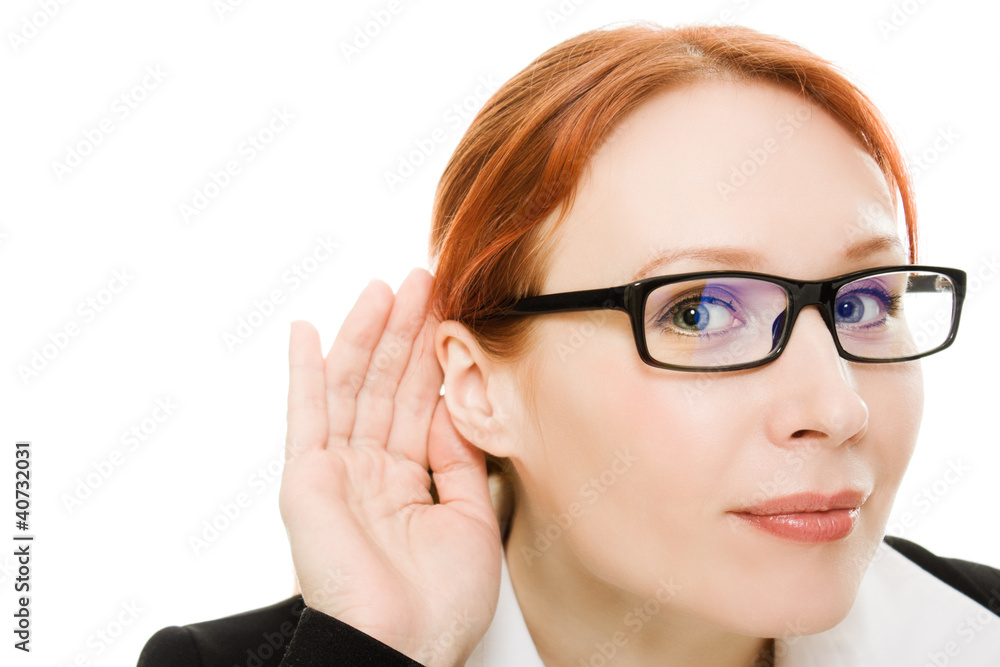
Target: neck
{"x": 578, "y": 620}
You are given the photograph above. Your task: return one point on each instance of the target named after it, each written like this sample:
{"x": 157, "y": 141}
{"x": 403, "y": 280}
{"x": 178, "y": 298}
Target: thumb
{"x": 458, "y": 466}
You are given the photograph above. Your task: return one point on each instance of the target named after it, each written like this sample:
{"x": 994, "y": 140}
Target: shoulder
{"x": 282, "y": 634}
{"x": 975, "y": 580}
{"x": 264, "y": 633}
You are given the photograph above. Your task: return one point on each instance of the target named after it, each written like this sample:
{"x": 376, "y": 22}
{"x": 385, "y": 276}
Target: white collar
{"x": 903, "y": 615}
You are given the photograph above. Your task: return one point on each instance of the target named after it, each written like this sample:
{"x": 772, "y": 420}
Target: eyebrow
{"x": 740, "y": 258}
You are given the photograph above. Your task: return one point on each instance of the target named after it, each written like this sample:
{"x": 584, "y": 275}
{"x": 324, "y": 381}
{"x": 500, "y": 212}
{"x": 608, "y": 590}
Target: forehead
{"x": 743, "y": 165}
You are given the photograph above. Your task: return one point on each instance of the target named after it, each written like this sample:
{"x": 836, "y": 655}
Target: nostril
{"x": 799, "y": 433}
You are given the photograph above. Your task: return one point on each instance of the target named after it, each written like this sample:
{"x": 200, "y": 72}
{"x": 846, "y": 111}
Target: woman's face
{"x": 639, "y": 466}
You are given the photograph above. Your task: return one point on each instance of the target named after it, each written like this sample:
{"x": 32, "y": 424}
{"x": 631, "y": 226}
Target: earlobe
{"x": 467, "y": 374}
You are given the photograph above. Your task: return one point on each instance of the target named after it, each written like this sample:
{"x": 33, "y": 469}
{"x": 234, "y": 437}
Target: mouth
{"x": 807, "y": 518}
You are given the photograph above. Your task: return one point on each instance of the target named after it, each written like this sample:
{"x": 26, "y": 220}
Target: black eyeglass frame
{"x": 631, "y": 298}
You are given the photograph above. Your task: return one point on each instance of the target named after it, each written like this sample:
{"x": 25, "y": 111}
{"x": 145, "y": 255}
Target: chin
{"x": 793, "y": 608}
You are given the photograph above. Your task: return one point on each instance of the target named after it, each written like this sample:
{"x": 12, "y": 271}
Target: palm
{"x": 369, "y": 545}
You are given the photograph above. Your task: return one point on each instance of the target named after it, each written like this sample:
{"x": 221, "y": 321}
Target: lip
{"x": 808, "y": 517}
{"x": 808, "y": 501}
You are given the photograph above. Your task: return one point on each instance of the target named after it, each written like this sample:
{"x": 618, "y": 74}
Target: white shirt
{"x": 903, "y": 616}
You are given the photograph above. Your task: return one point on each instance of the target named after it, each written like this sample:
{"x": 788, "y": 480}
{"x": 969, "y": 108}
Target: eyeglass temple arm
{"x": 926, "y": 283}
{"x": 610, "y": 298}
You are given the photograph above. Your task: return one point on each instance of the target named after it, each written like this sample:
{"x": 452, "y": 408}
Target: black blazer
{"x": 288, "y": 633}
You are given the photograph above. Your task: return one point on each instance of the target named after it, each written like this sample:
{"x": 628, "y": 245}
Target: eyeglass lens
{"x": 735, "y": 320}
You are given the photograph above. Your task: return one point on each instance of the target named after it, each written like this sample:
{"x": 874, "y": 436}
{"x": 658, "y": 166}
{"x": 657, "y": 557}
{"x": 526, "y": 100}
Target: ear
{"x": 477, "y": 392}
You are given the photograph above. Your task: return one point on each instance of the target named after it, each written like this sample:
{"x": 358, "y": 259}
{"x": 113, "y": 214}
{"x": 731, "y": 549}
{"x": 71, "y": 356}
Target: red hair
{"x": 527, "y": 147}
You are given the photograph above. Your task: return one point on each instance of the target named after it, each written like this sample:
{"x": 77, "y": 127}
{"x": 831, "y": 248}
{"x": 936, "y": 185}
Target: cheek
{"x": 636, "y": 452}
{"x": 895, "y": 398}
{"x": 587, "y": 417}
{"x": 602, "y": 397}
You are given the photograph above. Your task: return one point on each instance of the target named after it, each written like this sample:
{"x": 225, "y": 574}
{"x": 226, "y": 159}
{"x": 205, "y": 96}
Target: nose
{"x": 814, "y": 394}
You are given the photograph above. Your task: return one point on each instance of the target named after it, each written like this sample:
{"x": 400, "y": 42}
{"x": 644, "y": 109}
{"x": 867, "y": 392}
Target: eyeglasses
{"x": 730, "y": 320}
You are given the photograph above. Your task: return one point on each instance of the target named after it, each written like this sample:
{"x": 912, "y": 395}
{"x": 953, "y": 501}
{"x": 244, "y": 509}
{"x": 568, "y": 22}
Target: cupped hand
{"x": 369, "y": 545}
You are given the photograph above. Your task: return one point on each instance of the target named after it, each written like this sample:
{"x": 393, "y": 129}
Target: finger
{"x": 376, "y": 400}
{"x": 417, "y": 397}
{"x": 459, "y": 468}
{"x": 349, "y": 357}
{"x": 307, "y": 421}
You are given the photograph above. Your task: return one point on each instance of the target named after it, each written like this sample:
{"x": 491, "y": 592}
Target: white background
{"x": 162, "y": 337}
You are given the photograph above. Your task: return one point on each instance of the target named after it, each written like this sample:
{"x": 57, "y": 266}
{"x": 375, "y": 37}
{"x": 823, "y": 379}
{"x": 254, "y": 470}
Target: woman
{"x": 696, "y": 469}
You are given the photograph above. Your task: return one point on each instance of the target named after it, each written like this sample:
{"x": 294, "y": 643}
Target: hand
{"x": 368, "y": 543}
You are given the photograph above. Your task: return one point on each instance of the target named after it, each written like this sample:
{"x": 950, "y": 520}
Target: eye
{"x": 705, "y": 314}
{"x": 862, "y": 307}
